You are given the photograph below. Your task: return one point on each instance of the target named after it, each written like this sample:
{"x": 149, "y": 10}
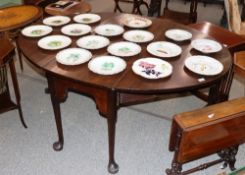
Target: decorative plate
{"x": 164, "y": 49}
{"x": 109, "y": 30}
{"x": 87, "y": 18}
{"x": 93, "y": 42}
{"x": 124, "y": 49}
{"x": 152, "y": 68}
{"x": 54, "y": 42}
{"x": 137, "y": 22}
{"x": 56, "y": 20}
{"x": 178, "y": 34}
{"x": 107, "y": 65}
{"x": 36, "y": 31}
{"x": 204, "y": 65}
{"x": 138, "y": 36}
{"x": 76, "y": 29}
{"x": 206, "y": 45}
{"x": 73, "y": 56}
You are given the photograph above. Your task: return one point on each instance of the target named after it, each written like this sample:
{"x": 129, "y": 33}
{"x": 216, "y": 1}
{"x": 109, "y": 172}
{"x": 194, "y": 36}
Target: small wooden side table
{"x": 15, "y": 17}
{"x": 77, "y": 8}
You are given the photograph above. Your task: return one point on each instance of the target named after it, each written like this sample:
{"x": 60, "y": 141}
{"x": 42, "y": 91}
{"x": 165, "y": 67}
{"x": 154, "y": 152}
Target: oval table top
{"x": 127, "y": 81}
{"x": 18, "y": 16}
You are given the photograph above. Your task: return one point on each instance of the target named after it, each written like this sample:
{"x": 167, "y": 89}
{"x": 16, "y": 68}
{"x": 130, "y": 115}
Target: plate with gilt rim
{"x": 56, "y": 20}
{"x": 54, "y": 42}
{"x": 138, "y": 36}
{"x": 36, "y": 31}
{"x": 124, "y": 49}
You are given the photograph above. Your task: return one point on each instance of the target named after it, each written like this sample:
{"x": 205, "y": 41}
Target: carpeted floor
{"x": 142, "y": 130}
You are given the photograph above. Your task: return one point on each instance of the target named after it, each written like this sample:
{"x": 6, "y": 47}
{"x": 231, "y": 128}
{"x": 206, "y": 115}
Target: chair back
{"x": 233, "y": 16}
{"x": 179, "y": 16}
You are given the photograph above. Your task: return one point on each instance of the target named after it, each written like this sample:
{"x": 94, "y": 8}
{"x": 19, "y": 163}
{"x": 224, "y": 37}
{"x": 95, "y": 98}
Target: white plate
{"x": 152, "y": 68}
{"x": 73, "y": 56}
{"x": 178, "y": 34}
{"x": 87, "y": 18}
{"x": 206, "y": 45}
{"x": 137, "y": 22}
{"x": 204, "y": 65}
{"x": 56, "y": 20}
{"x": 107, "y": 65}
{"x": 93, "y": 42}
{"x": 76, "y": 29}
{"x": 138, "y": 36}
{"x": 54, "y": 42}
{"x": 36, "y": 31}
{"x": 109, "y": 30}
{"x": 124, "y": 49}
{"x": 164, "y": 49}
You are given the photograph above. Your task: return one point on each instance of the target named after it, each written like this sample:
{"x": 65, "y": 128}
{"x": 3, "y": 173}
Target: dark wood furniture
{"x": 175, "y": 15}
{"x": 215, "y": 129}
{"x": 79, "y": 7}
{"x": 11, "y": 21}
{"x": 123, "y": 89}
{"x": 136, "y": 5}
{"x": 7, "y": 52}
{"x": 231, "y": 40}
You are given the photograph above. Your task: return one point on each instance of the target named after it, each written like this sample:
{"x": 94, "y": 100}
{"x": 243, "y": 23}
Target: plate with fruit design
{"x": 87, "y": 18}
{"x": 109, "y": 30}
{"x": 73, "y": 56}
{"x": 204, "y": 65}
{"x": 138, "y": 36}
{"x": 164, "y": 49}
{"x": 152, "y": 68}
{"x": 56, "y": 20}
{"x": 206, "y": 45}
{"x": 76, "y": 29}
{"x": 124, "y": 49}
{"x": 36, "y": 31}
{"x": 93, "y": 42}
{"x": 54, "y": 42}
{"x": 107, "y": 65}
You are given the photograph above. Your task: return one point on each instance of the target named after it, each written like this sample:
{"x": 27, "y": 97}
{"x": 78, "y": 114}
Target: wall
{"x": 9, "y": 2}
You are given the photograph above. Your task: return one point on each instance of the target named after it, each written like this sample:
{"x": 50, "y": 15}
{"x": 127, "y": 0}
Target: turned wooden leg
{"x": 111, "y": 121}
{"x": 176, "y": 169}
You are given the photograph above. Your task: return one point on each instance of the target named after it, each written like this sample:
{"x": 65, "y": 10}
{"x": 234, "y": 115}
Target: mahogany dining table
{"x": 110, "y": 92}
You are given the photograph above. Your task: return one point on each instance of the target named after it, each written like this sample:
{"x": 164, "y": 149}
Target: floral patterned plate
{"x": 36, "y": 31}
{"x": 76, "y": 29}
{"x": 107, "y": 65}
{"x": 138, "y": 36}
{"x": 87, "y": 18}
{"x": 54, "y": 42}
{"x": 152, "y": 68}
{"x": 206, "y": 45}
{"x": 137, "y": 22}
{"x": 124, "y": 49}
{"x": 164, "y": 49}
{"x": 204, "y": 65}
{"x": 109, "y": 30}
{"x": 73, "y": 56}
{"x": 56, "y": 20}
{"x": 178, "y": 34}
{"x": 93, "y": 42}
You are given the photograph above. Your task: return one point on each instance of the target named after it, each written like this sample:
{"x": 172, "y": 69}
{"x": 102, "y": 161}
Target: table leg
{"x": 56, "y": 100}
{"x": 111, "y": 121}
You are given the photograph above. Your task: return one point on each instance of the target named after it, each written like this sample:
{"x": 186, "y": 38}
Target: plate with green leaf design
{"x": 107, "y": 65}
{"x": 73, "y": 56}
{"x": 36, "y": 31}
{"x": 87, "y": 18}
{"x": 56, "y": 20}
{"x": 124, "y": 49}
{"x": 93, "y": 42}
{"x": 109, "y": 30}
{"x": 54, "y": 42}
{"x": 138, "y": 36}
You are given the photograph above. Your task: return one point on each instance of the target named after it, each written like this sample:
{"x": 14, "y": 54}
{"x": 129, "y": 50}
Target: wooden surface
{"x": 6, "y": 50}
{"x": 239, "y": 62}
{"x": 80, "y": 7}
{"x": 18, "y": 16}
{"x": 106, "y": 90}
{"x": 224, "y": 130}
